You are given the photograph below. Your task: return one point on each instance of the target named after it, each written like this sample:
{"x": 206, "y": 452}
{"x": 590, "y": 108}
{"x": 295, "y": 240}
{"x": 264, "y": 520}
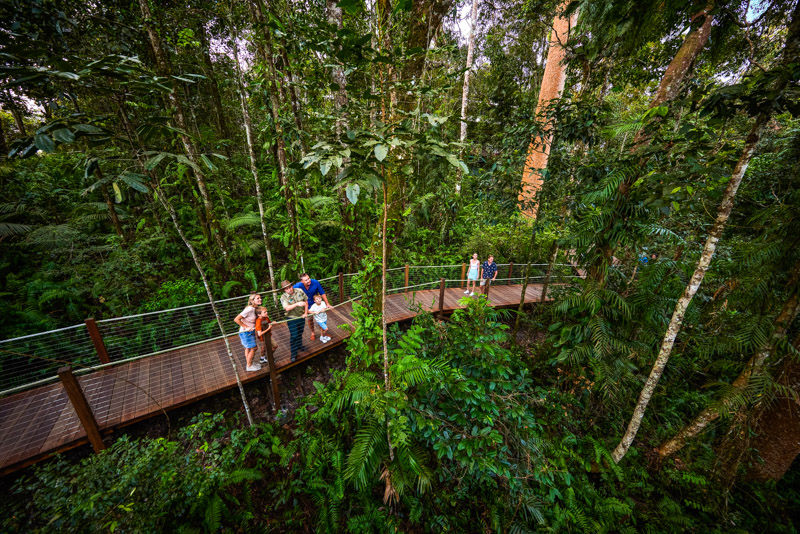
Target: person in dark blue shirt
{"x": 312, "y": 287}
{"x": 488, "y": 273}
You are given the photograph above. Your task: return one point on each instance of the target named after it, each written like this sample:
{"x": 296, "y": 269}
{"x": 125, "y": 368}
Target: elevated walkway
{"x": 40, "y": 420}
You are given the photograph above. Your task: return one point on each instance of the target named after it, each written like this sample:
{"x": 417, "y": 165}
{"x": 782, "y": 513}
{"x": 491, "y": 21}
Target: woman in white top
{"x": 472, "y": 274}
{"x": 247, "y": 331}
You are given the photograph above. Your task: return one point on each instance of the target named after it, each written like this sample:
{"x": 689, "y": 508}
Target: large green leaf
{"x": 324, "y": 166}
{"x": 208, "y": 163}
{"x": 352, "y": 192}
{"x": 153, "y": 162}
{"x": 381, "y": 151}
{"x": 64, "y": 135}
{"x": 44, "y": 143}
{"x": 87, "y": 128}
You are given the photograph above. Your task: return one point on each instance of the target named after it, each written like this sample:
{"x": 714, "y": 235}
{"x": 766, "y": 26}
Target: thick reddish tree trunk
{"x": 555, "y": 75}
{"x": 778, "y": 430}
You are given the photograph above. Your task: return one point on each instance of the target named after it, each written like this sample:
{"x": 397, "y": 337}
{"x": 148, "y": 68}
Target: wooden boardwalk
{"x": 40, "y": 422}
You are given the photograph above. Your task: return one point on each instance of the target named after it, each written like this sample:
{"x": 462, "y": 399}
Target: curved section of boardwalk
{"x": 40, "y": 422}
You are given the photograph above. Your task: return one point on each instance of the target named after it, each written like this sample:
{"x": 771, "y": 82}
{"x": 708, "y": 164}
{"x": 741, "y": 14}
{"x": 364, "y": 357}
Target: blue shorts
{"x": 248, "y": 339}
{"x": 323, "y": 325}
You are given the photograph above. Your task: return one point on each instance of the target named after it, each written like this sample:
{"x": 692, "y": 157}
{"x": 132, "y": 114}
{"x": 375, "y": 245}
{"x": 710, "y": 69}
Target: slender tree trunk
{"x": 465, "y": 91}
{"x": 164, "y": 69}
{"x": 168, "y": 207}
{"x": 384, "y": 258}
{"x": 681, "y": 306}
{"x": 14, "y": 109}
{"x": 555, "y": 75}
{"x": 3, "y": 142}
{"x": 216, "y": 98}
{"x": 340, "y": 101}
{"x": 526, "y": 271}
{"x": 754, "y": 365}
{"x": 549, "y": 272}
{"x": 112, "y": 212}
{"x": 248, "y": 130}
{"x": 790, "y": 53}
{"x": 266, "y": 51}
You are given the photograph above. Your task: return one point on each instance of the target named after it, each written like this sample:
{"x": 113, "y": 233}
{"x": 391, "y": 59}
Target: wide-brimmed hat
{"x": 285, "y": 284}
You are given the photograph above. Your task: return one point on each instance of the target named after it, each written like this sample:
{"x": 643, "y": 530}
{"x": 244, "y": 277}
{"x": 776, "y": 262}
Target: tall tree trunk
{"x": 112, "y": 212}
{"x": 340, "y": 101}
{"x": 164, "y": 69}
{"x": 778, "y": 428}
{"x": 555, "y": 75}
{"x": 248, "y": 130}
{"x": 668, "y": 89}
{"x": 755, "y": 364}
{"x": 677, "y": 69}
{"x": 168, "y": 207}
{"x": 266, "y": 52}
{"x": 790, "y": 53}
{"x": 465, "y": 91}
{"x": 681, "y": 306}
{"x": 3, "y": 142}
{"x": 549, "y": 272}
{"x": 216, "y": 98}
{"x": 15, "y": 112}
{"x": 526, "y": 271}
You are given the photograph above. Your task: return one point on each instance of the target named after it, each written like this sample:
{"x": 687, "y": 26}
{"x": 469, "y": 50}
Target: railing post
{"x": 486, "y": 288}
{"x": 406, "y": 279}
{"x": 510, "y": 272}
{"x": 273, "y": 373}
{"x": 463, "y": 274}
{"x": 82, "y": 408}
{"x": 441, "y": 297}
{"x": 341, "y": 287}
{"x": 97, "y": 340}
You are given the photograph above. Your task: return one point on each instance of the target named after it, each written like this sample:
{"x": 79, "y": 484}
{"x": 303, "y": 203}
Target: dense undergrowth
{"x": 486, "y": 437}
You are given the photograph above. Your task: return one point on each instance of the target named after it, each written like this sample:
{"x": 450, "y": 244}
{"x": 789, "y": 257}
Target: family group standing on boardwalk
{"x": 306, "y": 299}
{"x": 254, "y": 321}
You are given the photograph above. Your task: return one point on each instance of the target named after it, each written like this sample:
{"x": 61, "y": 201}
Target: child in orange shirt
{"x": 263, "y": 325}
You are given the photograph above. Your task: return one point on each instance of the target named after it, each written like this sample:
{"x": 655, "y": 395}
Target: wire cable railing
{"x": 33, "y": 360}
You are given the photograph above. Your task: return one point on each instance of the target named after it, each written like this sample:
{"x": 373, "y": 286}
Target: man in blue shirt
{"x": 311, "y": 287}
{"x": 488, "y": 273}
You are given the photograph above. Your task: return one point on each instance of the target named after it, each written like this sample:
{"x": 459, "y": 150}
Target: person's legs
{"x": 248, "y": 340}
{"x": 295, "y": 336}
{"x": 311, "y": 326}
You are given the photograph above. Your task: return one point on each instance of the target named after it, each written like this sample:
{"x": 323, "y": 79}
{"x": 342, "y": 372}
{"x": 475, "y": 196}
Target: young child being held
{"x": 263, "y": 325}
{"x": 318, "y": 311}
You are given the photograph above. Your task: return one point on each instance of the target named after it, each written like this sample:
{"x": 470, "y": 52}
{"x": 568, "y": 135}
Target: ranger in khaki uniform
{"x": 295, "y": 304}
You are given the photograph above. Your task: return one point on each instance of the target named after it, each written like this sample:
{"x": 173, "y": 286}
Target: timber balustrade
{"x": 125, "y": 369}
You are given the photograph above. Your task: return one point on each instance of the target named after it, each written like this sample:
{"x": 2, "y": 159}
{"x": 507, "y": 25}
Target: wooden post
{"x": 273, "y": 373}
{"x": 510, "y": 272}
{"x": 406, "y": 284}
{"x": 463, "y": 274}
{"x": 486, "y": 288}
{"x": 441, "y": 297}
{"x": 97, "y": 340}
{"x": 341, "y": 287}
{"x": 82, "y": 408}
